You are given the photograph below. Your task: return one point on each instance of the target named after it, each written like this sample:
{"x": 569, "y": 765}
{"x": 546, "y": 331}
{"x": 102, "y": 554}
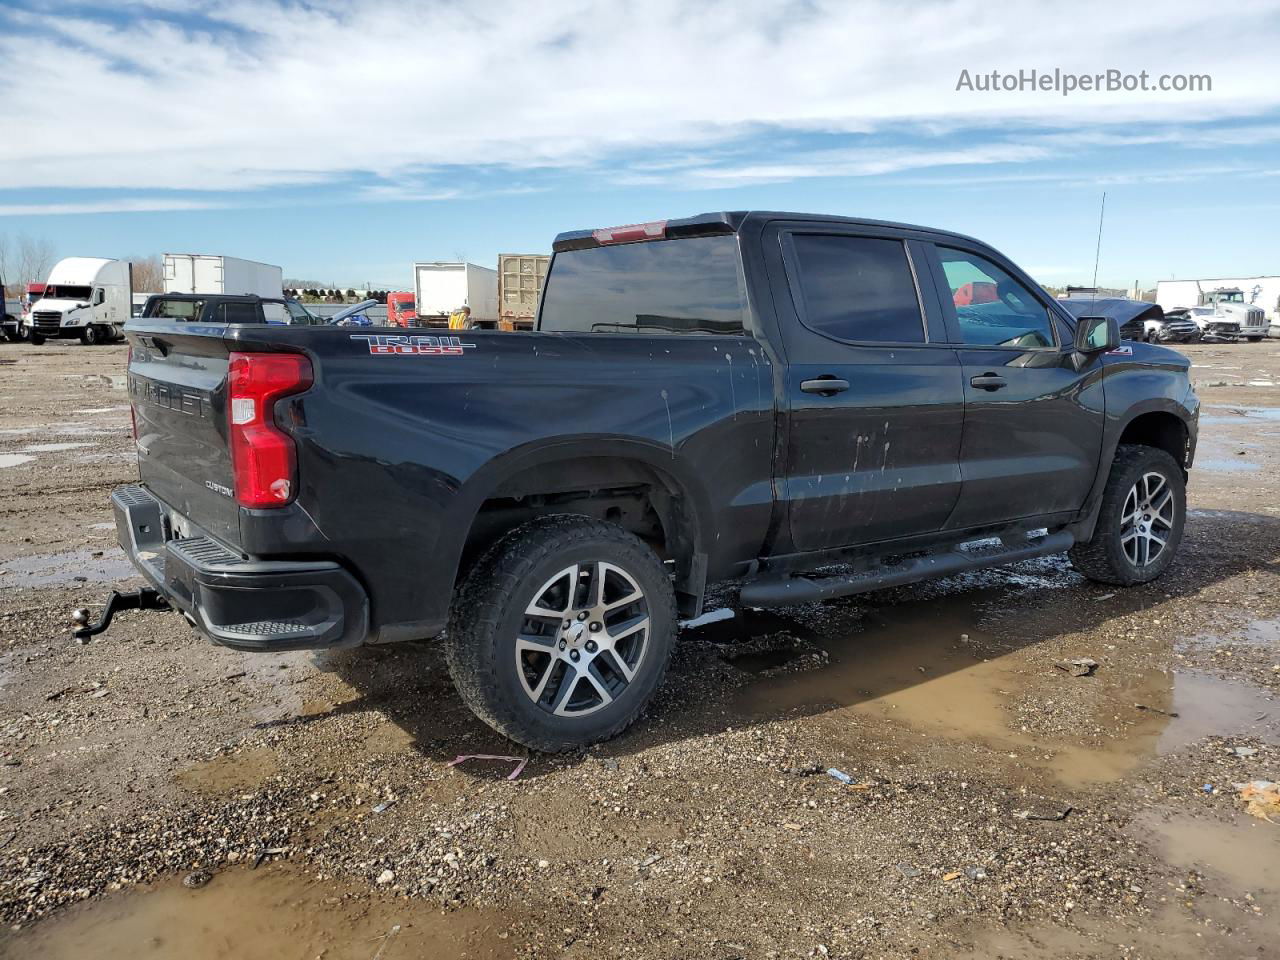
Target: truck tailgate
{"x": 177, "y": 386}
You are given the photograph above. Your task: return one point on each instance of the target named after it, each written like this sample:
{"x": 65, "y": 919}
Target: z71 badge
{"x": 414, "y": 345}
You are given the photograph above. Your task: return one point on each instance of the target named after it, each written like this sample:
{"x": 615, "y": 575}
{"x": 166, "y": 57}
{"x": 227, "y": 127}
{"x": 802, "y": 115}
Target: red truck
{"x": 401, "y": 310}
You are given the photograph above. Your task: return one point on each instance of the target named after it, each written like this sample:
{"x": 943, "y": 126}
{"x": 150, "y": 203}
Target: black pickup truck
{"x": 810, "y": 406}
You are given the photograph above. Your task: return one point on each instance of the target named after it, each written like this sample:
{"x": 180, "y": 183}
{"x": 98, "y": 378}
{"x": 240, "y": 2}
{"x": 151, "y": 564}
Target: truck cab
{"x": 1228, "y": 306}
{"x": 402, "y": 310}
{"x": 88, "y": 298}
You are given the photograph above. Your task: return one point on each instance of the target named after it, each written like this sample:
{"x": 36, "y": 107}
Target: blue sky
{"x": 344, "y": 141}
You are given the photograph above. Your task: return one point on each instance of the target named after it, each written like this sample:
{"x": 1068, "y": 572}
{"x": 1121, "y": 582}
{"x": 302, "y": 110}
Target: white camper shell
{"x": 85, "y": 297}
{"x": 441, "y": 287}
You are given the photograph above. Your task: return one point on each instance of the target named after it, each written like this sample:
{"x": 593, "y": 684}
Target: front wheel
{"x": 1255, "y": 339}
{"x": 35, "y": 339}
{"x": 562, "y": 632}
{"x": 1144, "y": 507}
{"x": 90, "y": 335}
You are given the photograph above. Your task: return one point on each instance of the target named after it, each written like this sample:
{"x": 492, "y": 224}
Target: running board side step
{"x": 781, "y": 591}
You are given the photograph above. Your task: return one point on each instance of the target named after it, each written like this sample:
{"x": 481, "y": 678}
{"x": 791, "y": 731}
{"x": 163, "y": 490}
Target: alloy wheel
{"x": 582, "y": 639}
{"x": 1146, "y": 521}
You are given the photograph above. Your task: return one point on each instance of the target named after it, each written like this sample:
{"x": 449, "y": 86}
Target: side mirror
{"x": 1097, "y": 334}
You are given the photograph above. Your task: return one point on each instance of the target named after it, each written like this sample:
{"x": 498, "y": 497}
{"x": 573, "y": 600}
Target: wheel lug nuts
{"x": 595, "y": 627}
{"x": 563, "y": 644}
{"x": 574, "y": 655}
{"x": 591, "y": 646}
{"x": 582, "y": 615}
{"x": 568, "y": 624}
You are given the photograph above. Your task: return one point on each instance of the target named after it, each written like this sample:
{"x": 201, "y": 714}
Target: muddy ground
{"x": 998, "y": 805}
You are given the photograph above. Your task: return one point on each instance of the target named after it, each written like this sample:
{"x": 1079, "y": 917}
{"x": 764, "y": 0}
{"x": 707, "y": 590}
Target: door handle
{"x": 824, "y": 385}
{"x": 988, "y": 381}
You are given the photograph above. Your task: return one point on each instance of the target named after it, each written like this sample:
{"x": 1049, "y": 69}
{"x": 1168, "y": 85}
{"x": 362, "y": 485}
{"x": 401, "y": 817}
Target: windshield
{"x": 1236, "y": 297}
{"x": 404, "y": 306}
{"x": 65, "y": 292}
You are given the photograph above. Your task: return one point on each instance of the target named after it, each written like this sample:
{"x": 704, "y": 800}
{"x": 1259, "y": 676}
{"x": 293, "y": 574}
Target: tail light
{"x": 263, "y": 457}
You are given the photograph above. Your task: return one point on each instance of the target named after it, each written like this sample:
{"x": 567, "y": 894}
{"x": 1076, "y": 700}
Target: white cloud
{"x": 267, "y": 94}
{"x": 117, "y": 205}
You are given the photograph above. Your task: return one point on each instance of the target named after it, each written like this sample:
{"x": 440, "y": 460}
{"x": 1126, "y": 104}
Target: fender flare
{"x": 686, "y": 490}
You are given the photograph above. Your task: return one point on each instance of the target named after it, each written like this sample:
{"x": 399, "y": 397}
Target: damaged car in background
{"x": 1137, "y": 319}
{"x": 1213, "y": 327}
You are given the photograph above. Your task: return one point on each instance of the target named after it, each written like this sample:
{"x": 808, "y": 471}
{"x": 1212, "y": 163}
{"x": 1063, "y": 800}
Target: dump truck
{"x": 520, "y": 280}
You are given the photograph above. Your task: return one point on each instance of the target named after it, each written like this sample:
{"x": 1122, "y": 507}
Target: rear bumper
{"x": 239, "y": 603}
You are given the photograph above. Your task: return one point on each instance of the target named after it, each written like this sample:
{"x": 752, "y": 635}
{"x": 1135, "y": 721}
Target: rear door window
{"x": 237, "y": 312}
{"x": 690, "y": 285}
{"x": 857, "y": 289}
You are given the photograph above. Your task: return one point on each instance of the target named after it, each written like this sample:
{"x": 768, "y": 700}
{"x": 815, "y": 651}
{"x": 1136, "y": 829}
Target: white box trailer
{"x": 86, "y": 297}
{"x": 441, "y": 287}
{"x": 1260, "y": 292}
{"x": 209, "y": 273}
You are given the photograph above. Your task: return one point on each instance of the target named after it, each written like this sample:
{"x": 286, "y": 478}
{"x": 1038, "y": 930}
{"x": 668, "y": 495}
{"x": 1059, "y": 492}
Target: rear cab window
{"x": 689, "y": 285}
{"x": 174, "y": 309}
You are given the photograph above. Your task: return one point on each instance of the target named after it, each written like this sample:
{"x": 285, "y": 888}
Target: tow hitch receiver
{"x": 144, "y": 599}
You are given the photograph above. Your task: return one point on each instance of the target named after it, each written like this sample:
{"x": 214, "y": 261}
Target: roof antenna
{"x": 1097, "y": 254}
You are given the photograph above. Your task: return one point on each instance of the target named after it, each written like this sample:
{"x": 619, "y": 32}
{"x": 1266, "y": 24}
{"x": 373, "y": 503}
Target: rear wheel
{"x": 1255, "y": 339}
{"x": 562, "y": 632}
{"x": 1140, "y": 522}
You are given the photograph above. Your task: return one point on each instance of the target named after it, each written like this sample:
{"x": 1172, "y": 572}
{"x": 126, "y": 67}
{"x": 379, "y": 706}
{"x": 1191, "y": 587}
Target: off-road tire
{"x": 490, "y": 607}
{"x": 1103, "y": 558}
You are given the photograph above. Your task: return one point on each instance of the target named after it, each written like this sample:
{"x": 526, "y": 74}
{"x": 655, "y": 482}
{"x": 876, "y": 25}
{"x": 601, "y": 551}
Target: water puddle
{"x": 14, "y": 459}
{"x": 1225, "y": 465}
{"x": 231, "y": 772}
{"x": 267, "y": 914}
{"x": 62, "y": 569}
{"x": 930, "y": 666}
{"x": 1242, "y": 855}
{"x": 1240, "y": 414}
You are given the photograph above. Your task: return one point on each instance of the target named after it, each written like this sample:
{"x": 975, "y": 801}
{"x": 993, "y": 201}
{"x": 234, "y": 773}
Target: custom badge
{"x": 413, "y": 345}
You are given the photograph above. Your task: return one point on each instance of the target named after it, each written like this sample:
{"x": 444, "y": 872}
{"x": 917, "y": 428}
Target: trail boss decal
{"x": 418, "y": 346}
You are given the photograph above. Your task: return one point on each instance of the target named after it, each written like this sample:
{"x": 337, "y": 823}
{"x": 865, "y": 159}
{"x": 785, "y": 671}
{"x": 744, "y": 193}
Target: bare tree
{"x": 148, "y": 274}
{"x": 11, "y": 285}
{"x": 33, "y": 258}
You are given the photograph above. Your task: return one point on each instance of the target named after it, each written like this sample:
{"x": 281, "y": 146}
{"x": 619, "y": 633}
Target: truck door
{"x": 1033, "y": 419}
{"x": 874, "y": 402}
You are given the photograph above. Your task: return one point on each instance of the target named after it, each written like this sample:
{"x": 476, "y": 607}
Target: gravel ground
{"x": 998, "y": 805}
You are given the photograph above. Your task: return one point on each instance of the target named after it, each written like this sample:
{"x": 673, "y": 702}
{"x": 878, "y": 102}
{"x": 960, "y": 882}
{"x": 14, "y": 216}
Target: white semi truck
{"x": 442, "y": 287}
{"x": 86, "y": 297}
